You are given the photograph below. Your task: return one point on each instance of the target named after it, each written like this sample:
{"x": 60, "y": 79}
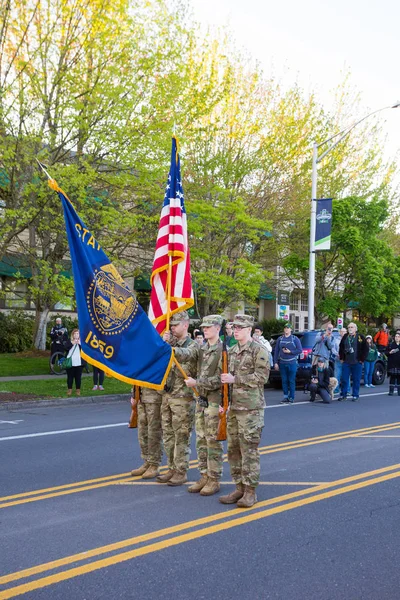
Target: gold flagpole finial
{"x": 52, "y": 182}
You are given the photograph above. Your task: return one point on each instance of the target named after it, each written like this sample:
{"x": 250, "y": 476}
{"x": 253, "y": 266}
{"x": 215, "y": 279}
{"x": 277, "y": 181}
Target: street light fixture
{"x": 317, "y": 159}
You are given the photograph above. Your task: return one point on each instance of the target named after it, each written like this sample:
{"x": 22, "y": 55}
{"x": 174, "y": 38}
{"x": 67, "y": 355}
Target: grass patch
{"x": 56, "y": 387}
{"x": 24, "y": 363}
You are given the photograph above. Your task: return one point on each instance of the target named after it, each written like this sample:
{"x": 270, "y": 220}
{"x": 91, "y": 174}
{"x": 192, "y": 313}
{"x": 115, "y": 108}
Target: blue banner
{"x": 116, "y": 334}
{"x": 323, "y": 224}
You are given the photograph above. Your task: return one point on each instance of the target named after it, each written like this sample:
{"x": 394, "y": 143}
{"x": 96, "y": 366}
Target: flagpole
{"x": 169, "y": 283}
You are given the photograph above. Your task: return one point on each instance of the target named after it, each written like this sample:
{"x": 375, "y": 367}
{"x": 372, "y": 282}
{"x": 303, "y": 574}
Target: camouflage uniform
{"x": 209, "y": 450}
{"x": 250, "y": 366}
{"x": 149, "y": 426}
{"x": 177, "y": 413}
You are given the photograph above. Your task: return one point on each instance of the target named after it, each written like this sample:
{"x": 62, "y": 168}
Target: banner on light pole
{"x": 323, "y": 225}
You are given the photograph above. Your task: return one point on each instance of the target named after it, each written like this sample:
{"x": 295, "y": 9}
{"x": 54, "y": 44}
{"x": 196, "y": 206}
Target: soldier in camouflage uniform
{"x": 149, "y": 432}
{"x": 248, "y": 372}
{"x": 208, "y": 385}
{"x": 177, "y": 409}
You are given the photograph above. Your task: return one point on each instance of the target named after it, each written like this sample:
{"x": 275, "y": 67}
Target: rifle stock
{"x": 222, "y": 424}
{"x": 134, "y": 413}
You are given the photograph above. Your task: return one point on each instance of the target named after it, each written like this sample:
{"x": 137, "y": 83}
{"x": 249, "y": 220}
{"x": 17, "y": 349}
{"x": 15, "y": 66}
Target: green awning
{"x": 17, "y": 264}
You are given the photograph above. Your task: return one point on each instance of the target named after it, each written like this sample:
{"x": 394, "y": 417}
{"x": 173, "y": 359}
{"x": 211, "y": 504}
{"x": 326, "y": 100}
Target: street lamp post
{"x": 317, "y": 159}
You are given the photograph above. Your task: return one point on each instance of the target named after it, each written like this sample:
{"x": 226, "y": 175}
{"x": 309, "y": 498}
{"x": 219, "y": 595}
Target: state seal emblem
{"x": 112, "y": 306}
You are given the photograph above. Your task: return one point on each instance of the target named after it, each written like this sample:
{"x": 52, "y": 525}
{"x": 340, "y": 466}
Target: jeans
{"x": 368, "y": 371}
{"x": 288, "y": 375}
{"x": 355, "y": 371}
{"x": 338, "y": 372}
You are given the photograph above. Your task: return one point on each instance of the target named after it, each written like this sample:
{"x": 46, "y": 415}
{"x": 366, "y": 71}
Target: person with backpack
{"x": 370, "y": 361}
{"x": 286, "y": 353}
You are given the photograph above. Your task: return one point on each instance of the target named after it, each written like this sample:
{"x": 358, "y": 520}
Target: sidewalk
{"x": 31, "y": 377}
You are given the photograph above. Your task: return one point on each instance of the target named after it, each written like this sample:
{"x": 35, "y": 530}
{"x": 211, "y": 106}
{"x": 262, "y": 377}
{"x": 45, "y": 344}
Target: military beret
{"x": 179, "y": 317}
{"x": 212, "y": 320}
{"x": 243, "y": 320}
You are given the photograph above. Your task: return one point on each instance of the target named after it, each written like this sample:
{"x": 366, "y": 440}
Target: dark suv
{"x": 307, "y": 340}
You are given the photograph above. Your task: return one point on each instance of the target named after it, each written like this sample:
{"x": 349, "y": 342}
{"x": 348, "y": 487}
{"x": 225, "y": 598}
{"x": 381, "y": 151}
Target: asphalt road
{"x": 75, "y": 525}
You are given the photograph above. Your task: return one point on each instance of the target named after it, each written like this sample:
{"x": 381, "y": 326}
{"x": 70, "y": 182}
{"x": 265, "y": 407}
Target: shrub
{"x": 16, "y": 331}
{"x": 271, "y": 326}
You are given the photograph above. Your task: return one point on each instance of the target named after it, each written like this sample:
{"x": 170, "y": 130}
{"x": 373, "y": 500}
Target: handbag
{"x": 68, "y": 360}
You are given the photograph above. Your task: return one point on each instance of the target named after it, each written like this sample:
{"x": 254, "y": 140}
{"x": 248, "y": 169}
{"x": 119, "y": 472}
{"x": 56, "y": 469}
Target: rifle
{"x": 225, "y": 391}
{"x": 134, "y": 414}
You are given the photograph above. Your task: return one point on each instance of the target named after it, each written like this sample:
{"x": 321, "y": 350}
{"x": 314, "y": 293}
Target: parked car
{"x": 307, "y": 339}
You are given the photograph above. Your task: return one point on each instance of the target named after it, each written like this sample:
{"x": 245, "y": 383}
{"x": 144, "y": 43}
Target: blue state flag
{"x": 116, "y": 334}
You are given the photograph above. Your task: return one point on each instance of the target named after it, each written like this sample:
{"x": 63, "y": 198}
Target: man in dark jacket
{"x": 353, "y": 351}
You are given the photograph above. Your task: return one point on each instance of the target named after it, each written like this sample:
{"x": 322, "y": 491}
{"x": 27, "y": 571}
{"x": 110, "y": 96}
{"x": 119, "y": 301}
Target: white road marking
{"x": 125, "y": 424}
{"x": 12, "y": 422}
{"x": 33, "y": 435}
{"x": 377, "y": 436}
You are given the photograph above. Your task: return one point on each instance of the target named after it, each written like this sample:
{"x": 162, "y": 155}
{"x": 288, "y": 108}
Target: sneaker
{"x": 285, "y": 401}
{"x": 95, "y": 387}
{"x": 355, "y": 399}
{"x": 342, "y": 399}
{"x": 101, "y": 387}
{"x": 291, "y": 400}
{"x": 367, "y": 385}
{"x": 371, "y": 385}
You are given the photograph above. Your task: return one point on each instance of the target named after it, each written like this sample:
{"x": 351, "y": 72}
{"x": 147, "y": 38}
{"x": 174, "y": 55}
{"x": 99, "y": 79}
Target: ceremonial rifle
{"x": 134, "y": 414}
{"x": 225, "y": 390}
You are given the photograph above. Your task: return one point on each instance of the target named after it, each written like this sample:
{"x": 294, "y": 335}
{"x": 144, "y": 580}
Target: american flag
{"x": 172, "y": 240}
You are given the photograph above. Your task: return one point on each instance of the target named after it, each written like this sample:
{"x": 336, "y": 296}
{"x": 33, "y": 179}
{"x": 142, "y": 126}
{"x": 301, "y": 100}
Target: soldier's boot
{"x": 234, "y": 496}
{"x": 249, "y": 498}
{"x": 198, "y": 486}
{"x": 140, "y": 470}
{"x": 211, "y": 487}
{"x": 391, "y": 390}
{"x": 178, "y": 478}
{"x": 166, "y": 477}
{"x": 151, "y": 472}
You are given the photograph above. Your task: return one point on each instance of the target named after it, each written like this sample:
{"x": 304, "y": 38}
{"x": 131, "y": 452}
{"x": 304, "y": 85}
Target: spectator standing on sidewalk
{"x": 393, "y": 354}
{"x": 338, "y": 362}
{"x": 59, "y": 337}
{"x": 353, "y": 351}
{"x": 381, "y": 338}
{"x": 370, "y": 361}
{"x": 75, "y": 371}
{"x": 286, "y": 353}
{"x": 323, "y": 344}
{"x": 98, "y": 378}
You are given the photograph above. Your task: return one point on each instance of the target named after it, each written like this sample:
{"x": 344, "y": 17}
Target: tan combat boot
{"x": 211, "y": 487}
{"x": 140, "y": 470}
{"x": 151, "y": 472}
{"x": 177, "y": 479}
{"x": 249, "y": 498}
{"x": 196, "y": 487}
{"x": 78, "y": 392}
{"x": 166, "y": 477}
{"x": 69, "y": 392}
{"x": 234, "y": 496}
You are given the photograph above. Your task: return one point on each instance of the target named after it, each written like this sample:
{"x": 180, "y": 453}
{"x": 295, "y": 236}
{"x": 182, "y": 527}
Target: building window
{"x": 304, "y": 303}
{"x": 305, "y": 322}
{"x": 294, "y": 301}
{"x": 16, "y": 294}
{"x": 297, "y": 323}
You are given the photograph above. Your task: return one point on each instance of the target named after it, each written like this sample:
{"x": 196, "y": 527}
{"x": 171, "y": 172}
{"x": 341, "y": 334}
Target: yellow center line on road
{"x": 101, "y": 482}
{"x": 248, "y": 516}
{"x": 225, "y": 514}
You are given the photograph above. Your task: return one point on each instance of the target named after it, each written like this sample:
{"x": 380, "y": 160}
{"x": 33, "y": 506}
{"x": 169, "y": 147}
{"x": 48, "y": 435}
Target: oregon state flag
{"x": 116, "y": 334}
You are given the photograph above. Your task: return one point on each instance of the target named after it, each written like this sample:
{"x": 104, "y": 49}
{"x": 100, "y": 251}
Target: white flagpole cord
{"x": 43, "y": 169}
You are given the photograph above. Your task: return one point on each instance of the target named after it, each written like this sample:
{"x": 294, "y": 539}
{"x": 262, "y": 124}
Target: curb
{"x": 82, "y": 400}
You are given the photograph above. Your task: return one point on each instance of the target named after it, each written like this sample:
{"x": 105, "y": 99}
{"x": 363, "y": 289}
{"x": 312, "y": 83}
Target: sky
{"x": 314, "y": 43}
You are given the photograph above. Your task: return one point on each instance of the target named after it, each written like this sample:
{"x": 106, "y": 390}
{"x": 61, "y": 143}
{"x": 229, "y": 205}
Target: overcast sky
{"x": 314, "y": 43}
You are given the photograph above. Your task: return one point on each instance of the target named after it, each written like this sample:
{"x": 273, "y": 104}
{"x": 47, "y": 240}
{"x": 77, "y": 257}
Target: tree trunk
{"x": 40, "y": 334}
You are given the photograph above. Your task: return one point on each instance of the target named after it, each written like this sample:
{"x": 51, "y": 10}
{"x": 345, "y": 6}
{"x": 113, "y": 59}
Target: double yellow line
{"x": 90, "y": 484}
{"x": 199, "y": 528}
